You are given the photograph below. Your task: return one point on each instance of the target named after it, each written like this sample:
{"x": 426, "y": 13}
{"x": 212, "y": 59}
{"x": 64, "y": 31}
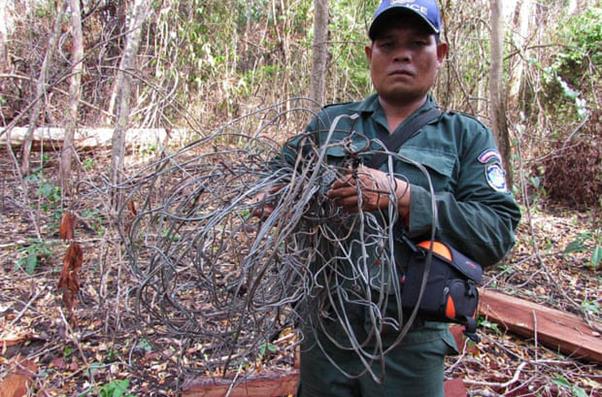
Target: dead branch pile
{"x": 574, "y": 174}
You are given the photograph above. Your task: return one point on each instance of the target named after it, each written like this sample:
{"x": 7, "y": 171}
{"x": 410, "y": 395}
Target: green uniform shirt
{"x": 476, "y": 213}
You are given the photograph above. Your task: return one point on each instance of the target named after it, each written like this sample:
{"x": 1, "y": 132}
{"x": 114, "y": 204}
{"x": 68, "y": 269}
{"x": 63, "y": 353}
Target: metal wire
{"x": 209, "y": 271}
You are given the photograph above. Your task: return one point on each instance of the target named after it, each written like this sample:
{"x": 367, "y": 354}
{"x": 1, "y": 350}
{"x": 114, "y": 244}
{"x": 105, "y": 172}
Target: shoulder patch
{"x": 496, "y": 177}
{"x": 489, "y": 154}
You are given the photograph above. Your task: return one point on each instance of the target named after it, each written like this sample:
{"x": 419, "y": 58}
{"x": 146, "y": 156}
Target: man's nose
{"x": 402, "y": 54}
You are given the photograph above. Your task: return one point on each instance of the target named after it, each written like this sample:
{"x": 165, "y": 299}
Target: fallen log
{"x": 272, "y": 385}
{"x": 564, "y": 332}
{"x": 96, "y": 137}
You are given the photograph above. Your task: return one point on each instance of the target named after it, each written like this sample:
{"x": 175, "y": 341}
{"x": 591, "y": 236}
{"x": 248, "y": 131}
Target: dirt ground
{"x": 103, "y": 349}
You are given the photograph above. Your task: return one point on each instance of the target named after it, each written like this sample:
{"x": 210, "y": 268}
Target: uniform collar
{"x": 371, "y": 105}
{"x": 371, "y": 108}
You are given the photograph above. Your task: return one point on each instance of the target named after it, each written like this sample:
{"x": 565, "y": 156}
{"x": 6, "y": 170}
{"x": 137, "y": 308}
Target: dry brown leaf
{"x": 69, "y": 279}
{"x": 58, "y": 363}
{"x": 130, "y": 216}
{"x": 18, "y": 381}
{"x": 132, "y": 208}
{"x": 74, "y": 366}
{"x": 66, "y": 230}
{"x": 12, "y": 339}
{"x": 14, "y": 386}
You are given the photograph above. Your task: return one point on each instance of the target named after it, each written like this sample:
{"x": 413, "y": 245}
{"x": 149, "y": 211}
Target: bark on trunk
{"x": 496, "y": 86}
{"x": 123, "y": 81}
{"x": 41, "y": 88}
{"x": 74, "y": 97}
{"x": 320, "y": 52}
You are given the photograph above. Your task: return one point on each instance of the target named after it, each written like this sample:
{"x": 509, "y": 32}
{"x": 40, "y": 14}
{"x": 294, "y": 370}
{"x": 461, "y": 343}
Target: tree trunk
{"x": 74, "y": 96}
{"x": 496, "y": 86}
{"x": 320, "y": 52}
{"x": 121, "y": 16}
{"x": 508, "y": 7}
{"x": 3, "y": 34}
{"x": 572, "y": 6}
{"x": 576, "y": 7}
{"x": 521, "y": 24}
{"x": 481, "y": 105}
{"x": 123, "y": 81}
{"x": 41, "y": 88}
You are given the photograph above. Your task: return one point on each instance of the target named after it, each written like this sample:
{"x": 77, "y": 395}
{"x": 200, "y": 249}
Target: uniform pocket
{"x": 439, "y": 165}
{"x": 450, "y": 342}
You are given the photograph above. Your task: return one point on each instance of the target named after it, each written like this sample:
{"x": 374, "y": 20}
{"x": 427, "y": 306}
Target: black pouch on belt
{"x": 451, "y": 293}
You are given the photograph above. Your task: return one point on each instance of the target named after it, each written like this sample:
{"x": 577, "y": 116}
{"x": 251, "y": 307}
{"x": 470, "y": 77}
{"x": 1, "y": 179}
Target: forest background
{"x": 529, "y": 69}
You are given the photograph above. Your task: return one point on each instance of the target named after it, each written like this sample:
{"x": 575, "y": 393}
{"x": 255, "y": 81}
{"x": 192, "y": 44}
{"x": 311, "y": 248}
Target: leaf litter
{"x": 105, "y": 349}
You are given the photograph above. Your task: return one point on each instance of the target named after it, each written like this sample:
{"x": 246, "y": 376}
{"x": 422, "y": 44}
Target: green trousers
{"x": 414, "y": 368}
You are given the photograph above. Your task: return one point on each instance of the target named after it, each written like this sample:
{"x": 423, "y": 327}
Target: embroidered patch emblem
{"x": 489, "y": 155}
{"x": 496, "y": 177}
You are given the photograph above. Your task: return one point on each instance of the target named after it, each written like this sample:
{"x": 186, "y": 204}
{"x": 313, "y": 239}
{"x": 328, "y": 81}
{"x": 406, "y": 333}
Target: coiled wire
{"x": 209, "y": 271}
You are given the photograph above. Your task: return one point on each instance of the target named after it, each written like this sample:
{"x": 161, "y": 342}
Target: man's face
{"x": 404, "y": 60}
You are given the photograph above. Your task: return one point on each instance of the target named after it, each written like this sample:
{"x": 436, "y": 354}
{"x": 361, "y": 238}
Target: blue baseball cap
{"x": 427, "y": 10}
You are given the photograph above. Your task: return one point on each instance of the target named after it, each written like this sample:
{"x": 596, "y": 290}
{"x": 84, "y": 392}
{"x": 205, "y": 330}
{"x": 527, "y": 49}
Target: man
{"x": 476, "y": 213}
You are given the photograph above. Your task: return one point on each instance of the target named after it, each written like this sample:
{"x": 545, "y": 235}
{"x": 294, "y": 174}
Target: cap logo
{"x": 411, "y": 4}
{"x": 427, "y": 10}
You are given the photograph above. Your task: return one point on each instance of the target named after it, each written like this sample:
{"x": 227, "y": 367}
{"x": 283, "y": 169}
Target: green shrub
{"x": 116, "y": 388}
{"x": 31, "y": 256}
{"x": 582, "y": 35}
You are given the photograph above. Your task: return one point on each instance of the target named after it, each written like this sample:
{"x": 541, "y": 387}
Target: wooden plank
{"x": 455, "y": 388}
{"x": 273, "y": 385}
{"x": 262, "y": 385}
{"x": 555, "y": 329}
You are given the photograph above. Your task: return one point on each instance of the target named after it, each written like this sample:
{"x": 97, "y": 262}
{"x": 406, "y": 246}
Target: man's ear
{"x": 442, "y": 49}
{"x": 368, "y": 50}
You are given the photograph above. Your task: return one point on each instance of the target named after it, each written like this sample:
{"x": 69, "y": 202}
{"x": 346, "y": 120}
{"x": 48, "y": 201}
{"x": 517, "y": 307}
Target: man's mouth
{"x": 401, "y": 73}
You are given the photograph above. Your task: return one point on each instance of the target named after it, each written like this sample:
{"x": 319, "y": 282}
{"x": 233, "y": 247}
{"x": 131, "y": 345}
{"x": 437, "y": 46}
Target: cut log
{"x": 262, "y": 385}
{"x": 557, "y": 330}
{"x": 272, "y": 385}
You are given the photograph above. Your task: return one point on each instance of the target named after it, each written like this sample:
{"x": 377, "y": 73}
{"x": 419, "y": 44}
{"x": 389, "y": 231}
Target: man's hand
{"x": 375, "y": 187}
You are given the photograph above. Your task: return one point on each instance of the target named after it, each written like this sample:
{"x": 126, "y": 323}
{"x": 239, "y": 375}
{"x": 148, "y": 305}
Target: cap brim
{"x": 399, "y": 9}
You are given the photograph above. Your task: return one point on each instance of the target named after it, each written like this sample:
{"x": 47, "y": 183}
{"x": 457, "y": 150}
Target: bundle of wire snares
{"x": 210, "y": 272}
